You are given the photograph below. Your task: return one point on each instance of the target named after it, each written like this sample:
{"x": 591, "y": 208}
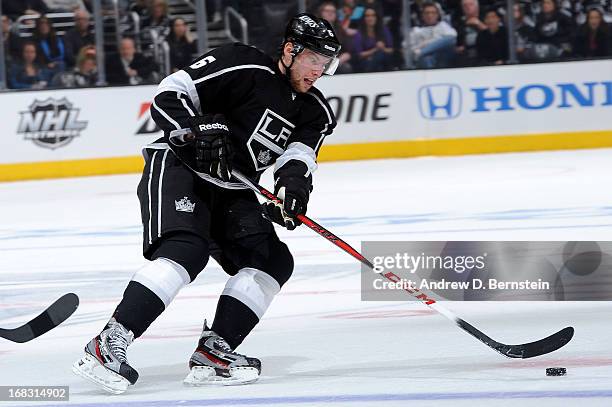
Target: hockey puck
{"x": 556, "y": 371}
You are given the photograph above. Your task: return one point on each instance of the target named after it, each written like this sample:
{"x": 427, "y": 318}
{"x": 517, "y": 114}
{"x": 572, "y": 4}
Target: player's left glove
{"x": 293, "y": 188}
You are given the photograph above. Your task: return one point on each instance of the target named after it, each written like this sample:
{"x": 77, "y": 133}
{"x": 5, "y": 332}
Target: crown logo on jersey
{"x": 264, "y": 157}
{"x": 184, "y": 205}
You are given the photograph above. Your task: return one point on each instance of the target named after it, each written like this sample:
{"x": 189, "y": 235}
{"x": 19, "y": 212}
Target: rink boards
{"x": 76, "y": 132}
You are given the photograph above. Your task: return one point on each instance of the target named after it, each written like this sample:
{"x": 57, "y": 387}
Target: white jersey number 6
{"x": 203, "y": 62}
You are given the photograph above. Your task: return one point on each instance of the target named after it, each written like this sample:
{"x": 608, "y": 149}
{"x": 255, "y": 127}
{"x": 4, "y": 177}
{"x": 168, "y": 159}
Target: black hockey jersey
{"x": 269, "y": 122}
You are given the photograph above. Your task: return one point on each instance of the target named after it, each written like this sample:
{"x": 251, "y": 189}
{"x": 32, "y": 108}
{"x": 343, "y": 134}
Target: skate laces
{"x": 119, "y": 339}
{"x": 218, "y": 341}
{"x": 224, "y": 346}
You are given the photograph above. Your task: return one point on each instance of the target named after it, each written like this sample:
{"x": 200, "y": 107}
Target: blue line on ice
{"x": 344, "y": 235}
{"x": 352, "y": 398}
{"x": 393, "y": 219}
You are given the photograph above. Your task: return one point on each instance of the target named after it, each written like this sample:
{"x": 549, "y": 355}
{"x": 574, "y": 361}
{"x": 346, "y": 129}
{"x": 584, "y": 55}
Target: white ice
{"x": 319, "y": 343}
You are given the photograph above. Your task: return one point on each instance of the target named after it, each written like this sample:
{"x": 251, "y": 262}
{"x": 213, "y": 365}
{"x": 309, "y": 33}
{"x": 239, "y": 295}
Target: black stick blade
{"x": 523, "y": 351}
{"x": 57, "y": 313}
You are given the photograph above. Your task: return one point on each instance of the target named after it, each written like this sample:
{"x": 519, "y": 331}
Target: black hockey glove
{"x": 213, "y": 149}
{"x": 293, "y": 188}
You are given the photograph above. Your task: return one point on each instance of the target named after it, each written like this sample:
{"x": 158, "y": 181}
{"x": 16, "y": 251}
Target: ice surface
{"x": 319, "y": 343}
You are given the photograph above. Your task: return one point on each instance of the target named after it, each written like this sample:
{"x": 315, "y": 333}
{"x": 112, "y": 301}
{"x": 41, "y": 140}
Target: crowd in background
{"x": 446, "y": 33}
{"x": 456, "y": 33}
{"x": 469, "y": 32}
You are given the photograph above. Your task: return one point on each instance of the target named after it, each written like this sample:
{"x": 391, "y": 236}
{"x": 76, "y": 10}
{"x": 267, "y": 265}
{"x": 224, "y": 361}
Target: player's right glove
{"x": 213, "y": 149}
{"x": 293, "y": 188}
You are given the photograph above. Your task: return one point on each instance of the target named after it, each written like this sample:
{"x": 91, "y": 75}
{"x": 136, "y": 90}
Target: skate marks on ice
{"x": 373, "y": 358}
{"x": 546, "y": 218}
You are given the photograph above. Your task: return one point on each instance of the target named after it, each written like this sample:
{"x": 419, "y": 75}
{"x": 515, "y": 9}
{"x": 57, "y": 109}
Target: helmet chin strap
{"x": 288, "y": 68}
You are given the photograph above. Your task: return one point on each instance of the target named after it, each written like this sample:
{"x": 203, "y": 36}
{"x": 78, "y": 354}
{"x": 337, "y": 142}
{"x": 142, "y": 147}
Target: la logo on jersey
{"x": 269, "y": 139}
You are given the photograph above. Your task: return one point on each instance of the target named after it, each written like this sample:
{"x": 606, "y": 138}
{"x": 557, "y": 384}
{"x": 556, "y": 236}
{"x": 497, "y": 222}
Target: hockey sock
{"x": 138, "y": 308}
{"x": 244, "y": 301}
{"x": 233, "y": 320}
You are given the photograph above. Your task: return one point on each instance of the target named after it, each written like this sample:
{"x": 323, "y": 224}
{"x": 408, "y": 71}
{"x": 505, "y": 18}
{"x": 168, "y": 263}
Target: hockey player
{"x": 233, "y": 107}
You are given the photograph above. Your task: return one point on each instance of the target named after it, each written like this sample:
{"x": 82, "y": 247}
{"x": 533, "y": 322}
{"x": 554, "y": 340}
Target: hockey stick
{"x": 523, "y": 351}
{"x": 57, "y": 313}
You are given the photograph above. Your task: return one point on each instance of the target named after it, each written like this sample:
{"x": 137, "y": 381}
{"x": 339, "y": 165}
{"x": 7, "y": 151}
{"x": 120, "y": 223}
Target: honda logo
{"x": 440, "y": 101}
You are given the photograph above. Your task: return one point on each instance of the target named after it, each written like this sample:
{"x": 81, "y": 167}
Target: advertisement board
{"x": 394, "y": 114}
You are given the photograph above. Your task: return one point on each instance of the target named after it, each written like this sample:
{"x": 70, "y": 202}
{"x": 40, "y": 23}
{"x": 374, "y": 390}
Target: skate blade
{"x": 91, "y": 369}
{"x": 206, "y": 376}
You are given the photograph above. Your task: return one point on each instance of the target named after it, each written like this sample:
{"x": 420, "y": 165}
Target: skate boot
{"x": 105, "y": 362}
{"x": 215, "y": 363}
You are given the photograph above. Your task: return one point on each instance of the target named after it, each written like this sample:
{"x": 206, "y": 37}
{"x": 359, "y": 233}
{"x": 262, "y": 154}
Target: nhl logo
{"x": 184, "y": 205}
{"x": 51, "y": 123}
{"x": 264, "y": 157}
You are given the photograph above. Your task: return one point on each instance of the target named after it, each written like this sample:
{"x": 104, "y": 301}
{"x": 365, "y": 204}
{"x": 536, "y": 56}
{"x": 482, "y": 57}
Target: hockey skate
{"x": 105, "y": 362}
{"x": 215, "y": 363}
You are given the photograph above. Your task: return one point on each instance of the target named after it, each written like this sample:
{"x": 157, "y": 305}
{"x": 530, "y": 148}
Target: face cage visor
{"x": 329, "y": 68}
{"x": 332, "y": 66}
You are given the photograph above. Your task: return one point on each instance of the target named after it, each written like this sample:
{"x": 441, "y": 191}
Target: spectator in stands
{"x": 350, "y": 16}
{"x": 492, "y": 43}
{"x": 468, "y": 26}
{"x": 415, "y": 12}
{"x": 328, "y": 11}
{"x": 372, "y": 43}
{"x": 524, "y": 34}
{"x": 593, "y": 37}
{"x": 140, "y": 7}
{"x": 12, "y": 43}
{"x": 50, "y": 47}
{"x": 78, "y": 36}
{"x": 432, "y": 43}
{"x": 130, "y": 67}
{"x": 182, "y": 45}
{"x": 376, "y": 5}
{"x": 393, "y": 11}
{"x": 83, "y": 75}
{"x": 28, "y": 73}
{"x": 64, "y": 6}
{"x": 580, "y": 9}
{"x": 16, "y": 8}
{"x": 157, "y": 18}
{"x": 155, "y": 26}
{"x": 553, "y": 31}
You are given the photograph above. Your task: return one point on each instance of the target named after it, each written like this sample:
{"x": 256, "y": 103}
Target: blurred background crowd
{"x": 51, "y": 43}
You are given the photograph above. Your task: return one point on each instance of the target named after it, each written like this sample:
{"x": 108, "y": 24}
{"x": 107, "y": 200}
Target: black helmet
{"x": 316, "y": 34}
